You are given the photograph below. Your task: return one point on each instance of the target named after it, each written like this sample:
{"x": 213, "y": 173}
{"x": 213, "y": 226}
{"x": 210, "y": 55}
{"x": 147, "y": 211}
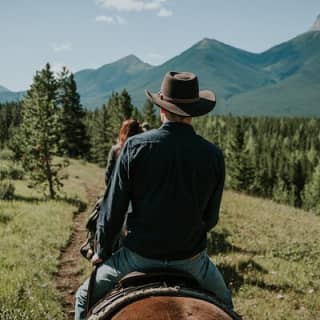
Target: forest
{"x": 275, "y": 158}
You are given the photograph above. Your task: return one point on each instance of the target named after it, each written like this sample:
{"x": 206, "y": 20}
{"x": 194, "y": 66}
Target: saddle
{"x": 139, "y": 285}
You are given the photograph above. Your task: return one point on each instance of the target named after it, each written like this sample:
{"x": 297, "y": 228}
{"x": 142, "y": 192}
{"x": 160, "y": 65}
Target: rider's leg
{"x": 207, "y": 275}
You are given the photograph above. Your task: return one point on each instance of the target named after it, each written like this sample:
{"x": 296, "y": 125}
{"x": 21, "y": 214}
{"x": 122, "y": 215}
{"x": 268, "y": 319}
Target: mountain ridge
{"x": 245, "y": 83}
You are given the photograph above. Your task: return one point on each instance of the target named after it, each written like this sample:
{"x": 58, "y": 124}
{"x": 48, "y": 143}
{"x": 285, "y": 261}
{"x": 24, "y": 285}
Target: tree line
{"x": 276, "y": 158}
{"x": 50, "y": 125}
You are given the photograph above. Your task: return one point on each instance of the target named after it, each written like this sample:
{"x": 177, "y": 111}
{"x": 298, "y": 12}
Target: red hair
{"x": 129, "y": 128}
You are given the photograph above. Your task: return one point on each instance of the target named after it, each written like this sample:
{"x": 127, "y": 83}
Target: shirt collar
{"x": 177, "y": 127}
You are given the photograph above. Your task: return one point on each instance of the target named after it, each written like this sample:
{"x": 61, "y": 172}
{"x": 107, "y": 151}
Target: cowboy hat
{"x": 180, "y": 95}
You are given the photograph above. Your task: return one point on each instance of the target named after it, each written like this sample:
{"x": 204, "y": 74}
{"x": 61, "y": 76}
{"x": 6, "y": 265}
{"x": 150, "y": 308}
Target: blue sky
{"x": 89, "y": 33}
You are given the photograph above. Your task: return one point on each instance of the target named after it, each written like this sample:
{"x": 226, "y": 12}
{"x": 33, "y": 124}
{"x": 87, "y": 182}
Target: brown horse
{"x": 171, "y": 308}
{"x": 160, "y": 296}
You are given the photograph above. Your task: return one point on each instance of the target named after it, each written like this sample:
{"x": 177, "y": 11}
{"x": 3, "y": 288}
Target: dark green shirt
{"x": 175, "y": 180}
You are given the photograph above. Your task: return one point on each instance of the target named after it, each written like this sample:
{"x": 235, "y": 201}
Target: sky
{"x": 82, "y": 34}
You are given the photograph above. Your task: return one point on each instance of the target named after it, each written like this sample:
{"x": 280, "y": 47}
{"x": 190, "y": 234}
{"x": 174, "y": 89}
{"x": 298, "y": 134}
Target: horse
{"x": 169, "y": 308}
{"x": 161, "y": 296}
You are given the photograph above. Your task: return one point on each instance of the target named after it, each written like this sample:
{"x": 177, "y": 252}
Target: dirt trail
{"x": 70, "y": 273}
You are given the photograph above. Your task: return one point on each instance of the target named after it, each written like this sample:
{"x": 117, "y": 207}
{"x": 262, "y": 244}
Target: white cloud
{"x": 164, "y": 13}
{"x": 106, "y": 19}
{"x": 132, "y": 5}
{"x": 61, "y": 47}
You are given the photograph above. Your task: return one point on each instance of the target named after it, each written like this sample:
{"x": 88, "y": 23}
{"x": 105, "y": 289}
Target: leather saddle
{"x": 139, "y": 285}
{"x": 169, "y": 278}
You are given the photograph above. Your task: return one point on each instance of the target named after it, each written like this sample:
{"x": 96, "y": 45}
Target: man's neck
{"x": 184, "y": 121}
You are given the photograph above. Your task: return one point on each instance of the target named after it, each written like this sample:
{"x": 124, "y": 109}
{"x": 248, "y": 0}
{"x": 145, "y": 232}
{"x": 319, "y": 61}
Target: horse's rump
{"x": 160, "y": 300}
{"x": 171, "y": 308}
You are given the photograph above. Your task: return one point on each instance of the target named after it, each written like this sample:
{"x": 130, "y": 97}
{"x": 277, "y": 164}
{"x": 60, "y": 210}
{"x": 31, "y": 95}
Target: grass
{"x": 270, "y": 256}
{"x": 268, "y": 253}
{"x": 32, "y": 232}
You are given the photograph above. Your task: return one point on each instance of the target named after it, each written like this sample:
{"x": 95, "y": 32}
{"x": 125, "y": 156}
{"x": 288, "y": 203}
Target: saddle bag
{"x": 87, "y": 249}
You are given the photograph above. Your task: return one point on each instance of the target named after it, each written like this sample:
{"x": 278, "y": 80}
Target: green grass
{"x": 32, "y": 232}
{"x": 268, "y": 253}
{"x": 270, "y": 256}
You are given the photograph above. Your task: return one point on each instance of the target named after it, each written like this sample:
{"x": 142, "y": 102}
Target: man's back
{"x": 174, "y": 180}
{"x": 177, "y": 181}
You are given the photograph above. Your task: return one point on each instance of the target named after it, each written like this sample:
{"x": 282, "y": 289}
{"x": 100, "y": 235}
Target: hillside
{"x": 95, "y": 86}
{"x": 3, "y": 89}
{"x": 295, "y": 68}
{"x": 282, "y": 81}
{"x": 8, "y": 96}
{"x": 268, "y": 253}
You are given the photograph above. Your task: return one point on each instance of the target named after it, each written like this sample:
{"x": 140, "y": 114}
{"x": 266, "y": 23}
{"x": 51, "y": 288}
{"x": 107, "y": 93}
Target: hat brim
{"x": 205, "y": 104}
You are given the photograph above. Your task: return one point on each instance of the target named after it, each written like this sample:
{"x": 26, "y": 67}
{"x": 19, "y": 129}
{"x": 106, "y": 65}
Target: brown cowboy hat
{"x": 180, "y": 95}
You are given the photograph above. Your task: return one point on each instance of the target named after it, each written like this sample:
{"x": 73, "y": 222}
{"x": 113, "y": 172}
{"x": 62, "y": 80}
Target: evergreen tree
{"x": 311, "y": 192}
{"x": 115, "y": 114}
{"x": 240, "y": 169}
{"x": 119, "y": 109}
{"x": 40, "y": 131}
{"x": 125, "y": 105}
{"x": 102, "y": 136}
{"x": 149, "y": 113}
{"x": 74, "y": 137}
{"x": 136, "y": 114}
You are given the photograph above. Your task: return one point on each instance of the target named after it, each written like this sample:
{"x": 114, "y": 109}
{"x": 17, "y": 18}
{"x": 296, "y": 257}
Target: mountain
{"x": 294, "y": 67}
{"x": 3, "y": 89}
{"x": 316, "y": 25}
{"x": 7, "y": 96}
{"x": 281, "y": 81}
{"x": 96, "y": 85}
{"x": 225, "y": 69}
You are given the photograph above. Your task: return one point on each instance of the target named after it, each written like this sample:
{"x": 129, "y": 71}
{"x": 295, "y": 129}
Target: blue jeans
{"x": 125, "y": 261}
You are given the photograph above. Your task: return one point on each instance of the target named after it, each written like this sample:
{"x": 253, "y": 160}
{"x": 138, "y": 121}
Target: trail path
{"x": 70, "y": 270}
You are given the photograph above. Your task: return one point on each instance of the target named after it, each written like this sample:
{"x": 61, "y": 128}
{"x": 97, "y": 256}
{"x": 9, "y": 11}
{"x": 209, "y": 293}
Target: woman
{"x": 129, "y": 128}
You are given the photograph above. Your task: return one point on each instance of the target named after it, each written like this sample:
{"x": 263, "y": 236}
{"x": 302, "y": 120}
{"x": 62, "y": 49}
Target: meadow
{"x": 33, "y": 231}
{"x": 268, "y": 253}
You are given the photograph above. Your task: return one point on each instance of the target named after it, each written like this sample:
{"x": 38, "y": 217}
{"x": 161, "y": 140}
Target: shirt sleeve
{"x": 211, "y": 215}
{"x": 114, "y": 206}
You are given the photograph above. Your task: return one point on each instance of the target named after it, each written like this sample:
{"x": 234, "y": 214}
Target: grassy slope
{"x": 269, "y": 253}
{"x": 32, "y": 232}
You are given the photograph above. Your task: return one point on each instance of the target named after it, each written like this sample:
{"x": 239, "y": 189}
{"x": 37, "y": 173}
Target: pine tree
{"x": 136, "y": 114}
{"x": 115, "y": 115}
{"x": 119, "y": 109}
{"x": 102, "y": 136}
{"x": 125, "y": 105}
{"x": 40, "y": 131}
{"x": 74, "y": 137}
{"x": 149, "y": 113}
{"x": 240, "y": 168}
{"x": 311, "y": 192}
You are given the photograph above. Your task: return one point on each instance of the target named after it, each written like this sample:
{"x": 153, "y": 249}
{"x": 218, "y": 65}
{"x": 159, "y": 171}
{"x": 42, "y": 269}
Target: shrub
{"x": 6, "y": 190}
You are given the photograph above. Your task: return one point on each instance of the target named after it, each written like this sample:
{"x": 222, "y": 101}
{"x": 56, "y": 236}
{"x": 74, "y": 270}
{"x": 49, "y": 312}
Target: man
{"x": 174, "y": 179}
